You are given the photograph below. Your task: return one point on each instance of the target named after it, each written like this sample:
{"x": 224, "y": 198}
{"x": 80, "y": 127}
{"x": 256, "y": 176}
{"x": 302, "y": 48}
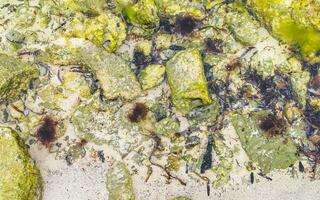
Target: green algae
{"x": 151, "y": 76}
{"x": 106, "y": 30}
{"x": 15, "y": 77}
{"x": 115, "y": 76}
{"x": 20, "y": 179}
{"x": 119, "y": 183}
{"x": 286, "y": 23}
{"x": 278, "y": 152}
{"x": 143, "y": 14}
{"x": 187, "y": 81}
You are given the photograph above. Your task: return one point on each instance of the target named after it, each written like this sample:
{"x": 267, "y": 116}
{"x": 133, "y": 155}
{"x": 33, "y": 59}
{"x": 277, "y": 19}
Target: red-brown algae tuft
{"x": 47, "y": 131}
{"x": 185, "y": 24}
{"x": 273, "y": 125}
{"x": 138, "y": 113}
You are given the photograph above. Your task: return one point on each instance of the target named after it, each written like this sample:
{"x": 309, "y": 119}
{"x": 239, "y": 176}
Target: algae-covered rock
{"x": 151, "y": 76}
{"x": 113, "y": 73}
{"x": 167, "y": 127}
{"x": 106, "y": 124}
{"x": 276, "y": 152}
{"x": 187, "y": 80}
{"x": 244, "y": 28}
{"x": 106, "y": 30}
{"x": 192, "y": 8}
{"x": 119, "y": 183}
{"x": 144, "y": 14}
{"x": 116, "y": 78}
{"x": 85, "y": 6}
{"x": 299, "y": 83}
{"x": 15, "y": 77}
{"x": 295, "y": 22}
{"x": 20, "y": 179}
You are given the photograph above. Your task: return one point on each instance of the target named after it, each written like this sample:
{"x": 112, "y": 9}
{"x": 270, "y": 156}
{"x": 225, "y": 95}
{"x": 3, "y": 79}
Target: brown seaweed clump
{"x": 138, "y": 113}
{"x": 272, "y": 125}
{"x": 47, "y": 131}
{"x": 185, "y": 24}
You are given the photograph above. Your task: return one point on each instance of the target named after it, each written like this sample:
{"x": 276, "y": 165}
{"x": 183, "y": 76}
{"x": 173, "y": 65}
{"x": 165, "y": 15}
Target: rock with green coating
{"x": 167, "y": 127}
{"x": 244, "y": 28}
{"x": 277, "y": 152}
{"x": 299, "y": 83}
{"x": 15, "y": 76}
{"x": 20, "y": 179}
{"x": 114, "y": 74}
{"x": 106, "y": 30}
{"x": 143, "y": 14}
{"x": 295, "y": 22}
{"x": 187, "y": 81}
{"x": 116, "y": 77}
{"x": 119, "y": 183}
{"x": 192, "y": 8}
{"x": 85, "y": 6}
{"x": 152, "y": 76}
{"x": 106, "y": 124}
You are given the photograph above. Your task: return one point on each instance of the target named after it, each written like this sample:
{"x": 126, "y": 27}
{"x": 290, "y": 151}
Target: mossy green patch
{"x": 119, "y": 183}
{"x": 187, "y": 81}
{"x": 20, "y": 179}
{"x": 288, "y": 22}
{"x": 277, "y": 152}
{"x": 15, "y": 77}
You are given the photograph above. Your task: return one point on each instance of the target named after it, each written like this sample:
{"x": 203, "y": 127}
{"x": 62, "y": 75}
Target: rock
{"x": 15, "y": 77}
{"x": 187, "y": 80}
{"x": 20, "y": 179}
{"x": 119, "y": 183}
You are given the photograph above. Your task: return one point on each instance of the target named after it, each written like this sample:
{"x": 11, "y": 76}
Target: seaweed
{"x": 213, "y": 45}
{"x": 251, "y": 177}
{"x": 273, "y": 125}
{"x": 138, "y": 113}
{"x": 166, "y": 25}
{"x": 140, "y": 61}
{"x": 185, "y": 25}
{"x": 207, "y": 158}
{"x": 47, "y": 131}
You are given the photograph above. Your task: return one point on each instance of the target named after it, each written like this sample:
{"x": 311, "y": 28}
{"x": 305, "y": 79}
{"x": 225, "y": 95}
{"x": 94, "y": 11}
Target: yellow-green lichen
{"x": 284, "y": 19}
{"x": 277, "y": 152}
{"x": 193, "y": 8}
{"x": 151, "y": 76}
{"x": 106, "y": 30}
{"x": 143, "y": 14}
{"x": 20, "y": 179}
{"x": 187, "y": 81}
{"x": 119, "y": 183}
{"x": 15, "y": 77}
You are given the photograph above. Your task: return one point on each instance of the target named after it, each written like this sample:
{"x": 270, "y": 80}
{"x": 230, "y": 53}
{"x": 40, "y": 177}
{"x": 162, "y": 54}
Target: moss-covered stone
{"x": 84, "y": 6}
{"x": 187, "y": 81}
{"x": 15, "y": 76}
{"x": 106, "y": 124}
{"x": 277, "y": 152}
{"x": 106, "y": 30}
{"x": 114, "y": 74}
{"x": 119, "y": 183}
{"x": 192, "y": 8}
{"x": 295, "y": 22}
{"x": 167, "y": 127}
{"x": 20, "y": 179}
{"x": 143, "y": 14}
{"x": 151, "y": 76}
